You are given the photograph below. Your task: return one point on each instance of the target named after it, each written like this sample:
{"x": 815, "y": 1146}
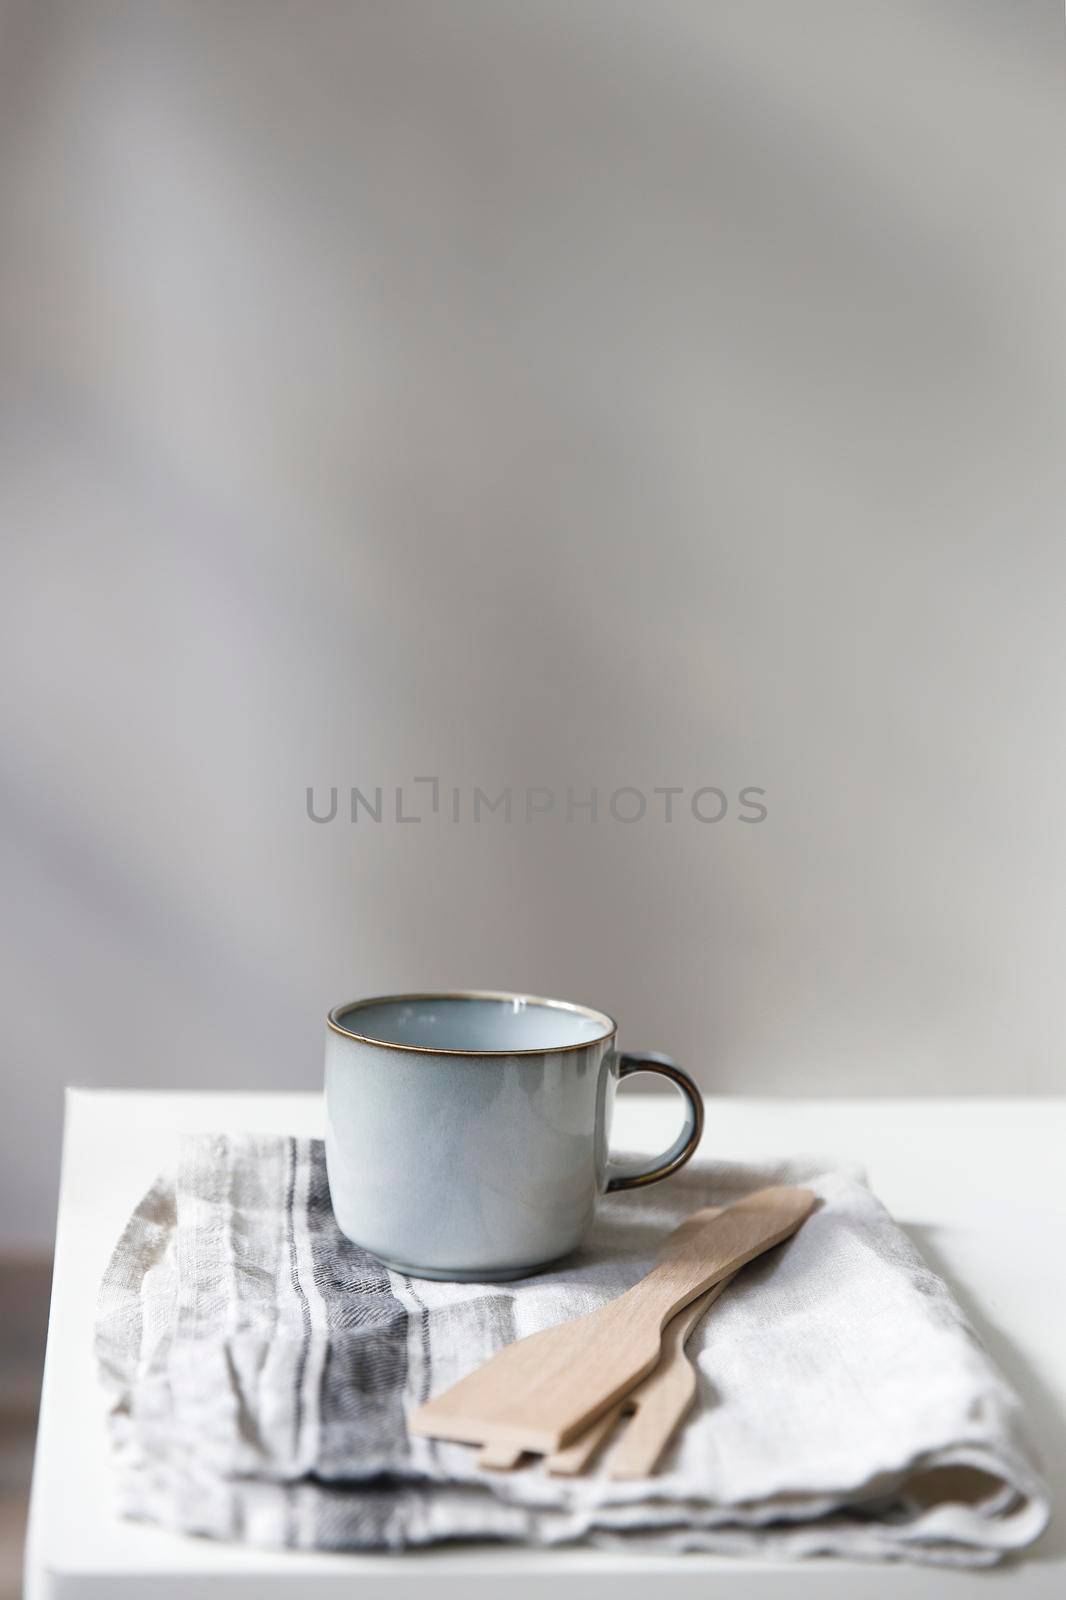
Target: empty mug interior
{"x": 477, "y": 1023}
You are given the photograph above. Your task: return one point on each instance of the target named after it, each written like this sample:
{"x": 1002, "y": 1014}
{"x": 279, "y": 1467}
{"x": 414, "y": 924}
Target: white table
{"x": 976, "y": 1182}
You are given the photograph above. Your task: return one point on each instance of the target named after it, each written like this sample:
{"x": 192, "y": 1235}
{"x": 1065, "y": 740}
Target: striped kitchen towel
{"x": 261, "y": 1369}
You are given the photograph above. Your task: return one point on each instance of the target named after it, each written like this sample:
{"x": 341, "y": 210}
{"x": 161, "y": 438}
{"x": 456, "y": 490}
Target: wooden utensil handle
{"x": 738, "y": 1234}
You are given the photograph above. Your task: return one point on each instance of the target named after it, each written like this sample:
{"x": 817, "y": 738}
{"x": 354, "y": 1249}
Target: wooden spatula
{"x": 541, "y": 1392}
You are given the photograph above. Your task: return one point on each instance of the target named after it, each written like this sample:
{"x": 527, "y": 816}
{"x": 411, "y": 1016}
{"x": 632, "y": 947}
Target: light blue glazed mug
{"x": 467, "y": 1133}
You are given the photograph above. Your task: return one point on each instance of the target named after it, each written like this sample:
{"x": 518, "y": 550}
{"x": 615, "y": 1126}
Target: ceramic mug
{"x": 467, "y": 1134}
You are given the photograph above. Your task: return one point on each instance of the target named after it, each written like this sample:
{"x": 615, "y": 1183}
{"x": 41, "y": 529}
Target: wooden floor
{"x": 24, "y": 1290}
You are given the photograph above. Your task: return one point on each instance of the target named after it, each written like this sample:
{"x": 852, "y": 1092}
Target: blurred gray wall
{"x": 589, "y": 393}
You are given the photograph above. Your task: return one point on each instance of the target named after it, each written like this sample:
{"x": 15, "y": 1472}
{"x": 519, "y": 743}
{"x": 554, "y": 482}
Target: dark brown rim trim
{"x": 333, "y": 1022}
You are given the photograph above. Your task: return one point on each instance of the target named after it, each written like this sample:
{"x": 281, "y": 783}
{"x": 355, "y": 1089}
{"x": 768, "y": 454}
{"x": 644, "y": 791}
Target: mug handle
{"x": 689, "y": 1137}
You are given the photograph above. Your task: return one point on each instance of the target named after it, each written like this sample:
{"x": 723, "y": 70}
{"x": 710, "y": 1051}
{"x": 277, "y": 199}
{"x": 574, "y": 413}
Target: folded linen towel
{"x": 261, "y": 1369}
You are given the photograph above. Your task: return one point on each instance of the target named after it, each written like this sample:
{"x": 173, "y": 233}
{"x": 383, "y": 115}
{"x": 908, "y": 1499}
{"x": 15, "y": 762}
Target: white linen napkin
{"x": 261, "y": 1369}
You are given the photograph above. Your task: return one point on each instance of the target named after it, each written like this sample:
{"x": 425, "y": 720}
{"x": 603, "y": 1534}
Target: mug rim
{"x": 333, "y": 1022}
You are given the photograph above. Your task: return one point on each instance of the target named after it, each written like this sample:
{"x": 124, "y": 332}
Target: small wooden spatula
{"x": 541, "y": 1392}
